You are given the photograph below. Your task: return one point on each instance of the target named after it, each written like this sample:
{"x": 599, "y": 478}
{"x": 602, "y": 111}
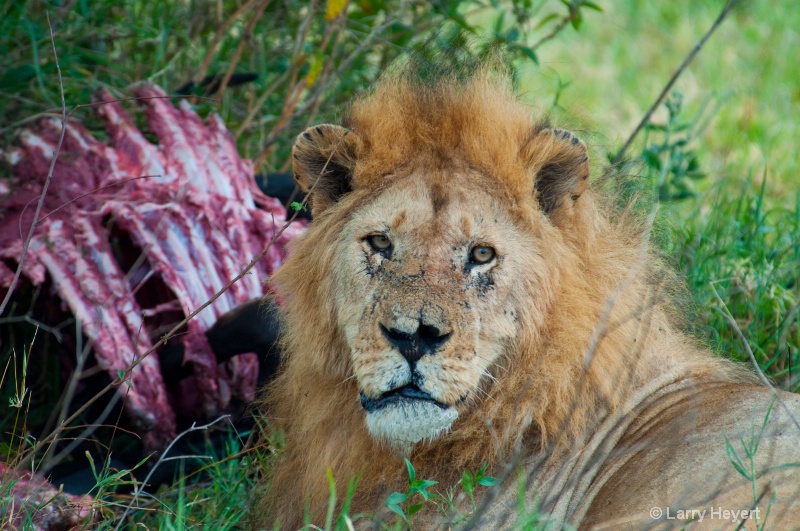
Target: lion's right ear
{"x": 561, "y": 164}
{"x": 323, "y": 161}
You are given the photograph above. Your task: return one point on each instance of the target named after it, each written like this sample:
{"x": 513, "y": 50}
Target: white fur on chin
{"x": 405, "y": 423}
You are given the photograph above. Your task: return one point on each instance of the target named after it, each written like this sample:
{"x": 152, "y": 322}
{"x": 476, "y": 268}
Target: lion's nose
{"x": 425, "y": 339}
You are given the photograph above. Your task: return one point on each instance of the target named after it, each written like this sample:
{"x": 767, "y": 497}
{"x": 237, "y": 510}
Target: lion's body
{"x": 506, "y": 318}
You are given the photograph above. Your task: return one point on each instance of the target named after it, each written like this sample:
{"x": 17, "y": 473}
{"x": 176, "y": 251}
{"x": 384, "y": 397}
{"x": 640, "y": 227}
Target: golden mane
{"x": 574, "y": 361}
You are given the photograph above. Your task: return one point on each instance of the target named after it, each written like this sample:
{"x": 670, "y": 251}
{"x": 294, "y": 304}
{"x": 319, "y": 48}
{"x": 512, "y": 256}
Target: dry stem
{"x": 699, "y": 46}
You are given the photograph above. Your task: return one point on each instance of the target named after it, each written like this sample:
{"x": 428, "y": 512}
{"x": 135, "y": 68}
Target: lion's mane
{"x": 582, "y": 346}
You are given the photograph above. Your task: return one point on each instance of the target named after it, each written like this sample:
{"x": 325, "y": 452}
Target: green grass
{"x": 739, "y": 233}
{"x": 619, "y": 60}
{"x": 736, "y": 232}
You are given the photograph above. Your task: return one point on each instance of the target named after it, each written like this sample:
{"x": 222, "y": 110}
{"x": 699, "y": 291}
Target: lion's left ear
{"x": 323, "y": 162}
{"x": 561, "y": 162}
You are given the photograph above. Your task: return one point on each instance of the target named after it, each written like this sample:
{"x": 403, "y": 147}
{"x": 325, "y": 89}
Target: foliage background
{"x": 720, "y": 161}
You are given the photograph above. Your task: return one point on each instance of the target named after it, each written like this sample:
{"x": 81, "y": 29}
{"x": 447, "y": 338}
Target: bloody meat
{"x": 192, "y": 224}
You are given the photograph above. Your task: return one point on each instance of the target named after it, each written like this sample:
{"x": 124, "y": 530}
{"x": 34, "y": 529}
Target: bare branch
{"x": 35, "y": 223}
{"x": 689, "y": 58}
{"x": 573, "y": 12}
{"x": 731, "y": 321}
{"x": 163, "y": 458}
{"x": 118, "y": 183}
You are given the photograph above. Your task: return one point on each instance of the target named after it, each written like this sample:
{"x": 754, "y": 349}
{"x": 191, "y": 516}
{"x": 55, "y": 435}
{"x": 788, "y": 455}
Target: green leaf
{"x": 734, "y": 459}
{"x": 393, "y": 503}
{"x": 546, "y": 19}
{"x": 297, "y": 207}
{"x": 424, "y": 484}
{"x": 577, "y": 20}
{"x": 91, "y": 465}
{"x": 412, "y": 476}
{"x": 592, "y": 5}
{"x": 654, "y": 127}
{"x": 487, "y": 481}
{"x": 530, "y": 54}
{"x": 467, "y": 482}
{"x": 121, "y": 375}
{"x": 415, "y": 508}
{"x": 331, "y": 499}
{"x": 651, "y": 159}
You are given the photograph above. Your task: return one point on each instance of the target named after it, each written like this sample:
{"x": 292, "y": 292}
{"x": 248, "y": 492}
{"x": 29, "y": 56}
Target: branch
{"x": 35, "y": 223}
{"x": 161, "y": 459}
{"x": 689, "y": 58}
{"x": 746, "y": 344}
{"x": 573, "y": 12}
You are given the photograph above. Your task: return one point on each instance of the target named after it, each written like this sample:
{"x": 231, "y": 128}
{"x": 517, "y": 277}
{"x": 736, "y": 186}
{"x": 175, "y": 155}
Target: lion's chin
{"x": 406, "y": 418}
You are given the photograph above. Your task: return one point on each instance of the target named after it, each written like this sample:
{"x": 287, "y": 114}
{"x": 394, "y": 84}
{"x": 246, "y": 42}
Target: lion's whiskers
{"x": 346, "y": 380}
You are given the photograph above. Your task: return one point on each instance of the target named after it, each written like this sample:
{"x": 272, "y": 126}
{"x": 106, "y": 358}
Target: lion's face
{"x": 428, "y": 284}
{"x": 436, "y": 261}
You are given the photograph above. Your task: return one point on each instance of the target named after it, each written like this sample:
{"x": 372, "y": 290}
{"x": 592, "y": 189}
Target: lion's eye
{"x": 379, "y": 242}
{"x": 481, "y": 254}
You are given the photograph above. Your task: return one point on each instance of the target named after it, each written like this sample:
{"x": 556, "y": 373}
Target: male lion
{"x": 462, "y": 297}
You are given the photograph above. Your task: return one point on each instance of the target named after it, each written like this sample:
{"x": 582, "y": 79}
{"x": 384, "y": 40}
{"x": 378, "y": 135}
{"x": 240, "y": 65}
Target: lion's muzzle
{"x": 405, "y": 416}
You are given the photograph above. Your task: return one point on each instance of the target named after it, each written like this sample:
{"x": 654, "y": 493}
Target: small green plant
{"x": 671, "y": 161}
{"x": 470, "y": 480}
{"x": 400, "y": 502}
{"x": 747, "y": 467}
{"x": 532, "y": 518}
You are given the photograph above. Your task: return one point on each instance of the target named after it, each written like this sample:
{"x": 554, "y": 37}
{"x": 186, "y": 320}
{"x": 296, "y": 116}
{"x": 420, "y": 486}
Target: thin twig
{"x": 259, "y": 104}
{"x": 46, "y": 466}
{"x": 118, "y": 183}
{"x": 81, "y": 354}
{"x": 161, "y": 459}
{"x": 699, "y": 46}
{"x": 573, "y": 12}
{"x": 137, "y": 98}
{"x": 248, "y": 33}
{"x": 221, "y": 29}
{"x": 301, "y": 109}
{"x": 735, "y": 326}
{"x": 731, "y": 321}
{"x": 24, "y": 121}
{"x": 35, "y": 223}
{"x": 30, "y": 320}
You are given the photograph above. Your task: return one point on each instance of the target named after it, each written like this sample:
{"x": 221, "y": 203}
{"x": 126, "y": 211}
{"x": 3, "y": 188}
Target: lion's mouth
{"x": 405, "y": 416}
{"x": 396, "y": 396}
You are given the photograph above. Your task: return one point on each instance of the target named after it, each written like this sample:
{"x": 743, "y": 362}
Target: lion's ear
{"x": 561, "y": 162}
{"x": 323, "y": 161}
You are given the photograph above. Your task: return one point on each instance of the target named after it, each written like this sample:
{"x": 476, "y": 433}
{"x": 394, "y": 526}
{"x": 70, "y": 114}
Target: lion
{"x": 464, "y": 297}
